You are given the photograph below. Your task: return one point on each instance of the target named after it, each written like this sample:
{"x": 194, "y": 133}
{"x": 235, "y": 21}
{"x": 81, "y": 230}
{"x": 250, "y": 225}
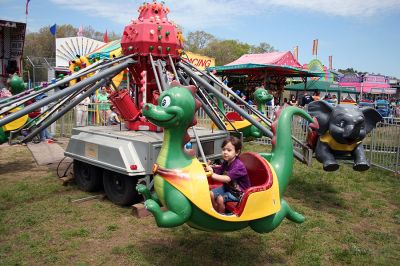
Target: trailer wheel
{"x": 87, "y": 177}
{"x": 119, "y": 188}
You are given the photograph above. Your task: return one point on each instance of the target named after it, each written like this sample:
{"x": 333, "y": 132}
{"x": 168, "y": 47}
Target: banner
{"x": 26, "y": 7}
{"x": 296, "y": 53}
{"x": 53, "y": 30}
{"x": 105, "y": 37}
{"x": 330, "y": 62}
{"x": 80, "y": 31}
{"x": 315, "y": 47}
{"x": 200, "y": 61}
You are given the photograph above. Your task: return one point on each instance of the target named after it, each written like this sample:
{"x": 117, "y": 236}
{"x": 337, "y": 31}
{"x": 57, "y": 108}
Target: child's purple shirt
{"x": 236, "y": 171}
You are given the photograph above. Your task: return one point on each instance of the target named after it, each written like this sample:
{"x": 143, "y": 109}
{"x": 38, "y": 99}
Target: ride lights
{"x": 143, "y": 81}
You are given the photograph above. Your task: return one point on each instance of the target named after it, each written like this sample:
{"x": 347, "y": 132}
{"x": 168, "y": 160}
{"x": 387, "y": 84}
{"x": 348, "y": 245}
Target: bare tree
{"x": 198, "y": 40}
{"x": 263, "y": 47}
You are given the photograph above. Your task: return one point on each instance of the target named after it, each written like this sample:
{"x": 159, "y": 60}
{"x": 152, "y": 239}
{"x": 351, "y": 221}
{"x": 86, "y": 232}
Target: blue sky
{"x": 363, "y": 34}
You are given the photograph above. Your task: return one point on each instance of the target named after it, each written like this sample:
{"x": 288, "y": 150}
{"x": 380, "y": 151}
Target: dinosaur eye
{"x": 263, "y": 93}
{"x": 341, "y": 123}
{"x": 166, "y": 101}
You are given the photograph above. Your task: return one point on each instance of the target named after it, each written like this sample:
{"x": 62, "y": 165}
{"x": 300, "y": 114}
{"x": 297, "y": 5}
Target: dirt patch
{"x": 16, "y": 163}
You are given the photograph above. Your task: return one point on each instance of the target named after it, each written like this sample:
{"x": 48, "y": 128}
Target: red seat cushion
{"x": 260, "y": 175}
{"x": 233, "y": 116}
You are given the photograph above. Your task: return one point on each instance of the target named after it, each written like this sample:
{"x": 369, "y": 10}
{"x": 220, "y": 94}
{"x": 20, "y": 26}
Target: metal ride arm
{"x": 244, "y": 114}
{"x": 205, "y": 105}
{"x": 231, "y": 93}
{"x": 261, "y": 116}
{"x": 160, "y": 88}
{"x": 68, "y": 107}
{"x": 43, "y": 116}
{"x": 18, "y": 101}
{"x": 112, "y": 71}
{"x": 220, "y": 95}
{"x": 216, "y": 109}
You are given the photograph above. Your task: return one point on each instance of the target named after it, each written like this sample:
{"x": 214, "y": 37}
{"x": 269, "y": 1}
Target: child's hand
{"x": 209, "y": 169}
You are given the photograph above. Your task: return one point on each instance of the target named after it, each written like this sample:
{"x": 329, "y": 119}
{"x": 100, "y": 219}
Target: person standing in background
{"x": 306, "y": 100}
{"x": 104, "y": 105}
{"x": 81, "y": 112}
{"x": 293, "y": 100}
{"x": 334, "y": 100}
{"x": 316, "y": 96}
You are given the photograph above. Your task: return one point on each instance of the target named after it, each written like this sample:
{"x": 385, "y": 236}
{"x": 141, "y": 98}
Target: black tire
{"x": 87, "y": 177}
{"x": 119, "y": 188}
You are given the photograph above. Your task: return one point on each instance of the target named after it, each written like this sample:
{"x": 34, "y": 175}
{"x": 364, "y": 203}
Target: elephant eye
{"x": 341, "y": 123}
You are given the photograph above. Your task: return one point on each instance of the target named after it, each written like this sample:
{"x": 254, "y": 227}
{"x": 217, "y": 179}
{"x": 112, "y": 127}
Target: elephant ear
{"x": 372, "y": 117}
{"x": 322, "y": 111}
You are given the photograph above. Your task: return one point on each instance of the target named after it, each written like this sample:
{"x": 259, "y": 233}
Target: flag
{"x": 330, "y": 62}
{"x": 80, "y": 31}
{"x": 296, "y": 53}
{"x": 53, "y": 29}
{"x": 26, "y": 7}
{"x": 105, "y": 37}
{"x": 315, "y": 47}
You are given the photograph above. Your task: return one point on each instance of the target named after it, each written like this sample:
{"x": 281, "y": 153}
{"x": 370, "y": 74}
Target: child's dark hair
{"x": 235, "y": 142}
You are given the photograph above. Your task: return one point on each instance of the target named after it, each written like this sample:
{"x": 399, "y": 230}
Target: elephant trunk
{"x": 352, "y": 131}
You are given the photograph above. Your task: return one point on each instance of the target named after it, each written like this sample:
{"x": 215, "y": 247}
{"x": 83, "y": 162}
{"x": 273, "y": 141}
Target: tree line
{"x": 41, "y": 43}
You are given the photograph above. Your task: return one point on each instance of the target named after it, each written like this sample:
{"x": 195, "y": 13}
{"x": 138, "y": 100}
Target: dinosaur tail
{"x": 282, "y": 151}
{"x": 268, "y": 224}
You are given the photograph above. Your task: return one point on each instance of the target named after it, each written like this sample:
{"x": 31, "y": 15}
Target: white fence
{"x": 382, "y": 145}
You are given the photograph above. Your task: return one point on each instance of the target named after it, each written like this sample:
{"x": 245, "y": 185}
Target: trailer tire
{"x": 119, "y": 188}
{"x": 87, "y": 177}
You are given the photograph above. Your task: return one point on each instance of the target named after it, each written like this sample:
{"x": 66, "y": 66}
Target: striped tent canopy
{"x": 108, "y": 50}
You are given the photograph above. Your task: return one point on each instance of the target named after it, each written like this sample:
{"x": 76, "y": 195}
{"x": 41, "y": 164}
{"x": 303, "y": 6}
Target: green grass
{"x": 351, "y": 218}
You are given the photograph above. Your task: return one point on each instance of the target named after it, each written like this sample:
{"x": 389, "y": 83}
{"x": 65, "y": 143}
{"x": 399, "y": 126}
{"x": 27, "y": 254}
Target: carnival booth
{"x": 268, "y": 69}
{"x": 12, "y": 37}
{"x": 344, "y": 94}
{"x": 369, "y": 86}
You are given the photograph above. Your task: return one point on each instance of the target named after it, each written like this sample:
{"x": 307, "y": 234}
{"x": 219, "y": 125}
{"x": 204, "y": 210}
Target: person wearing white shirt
{"x": 81, "y": 112}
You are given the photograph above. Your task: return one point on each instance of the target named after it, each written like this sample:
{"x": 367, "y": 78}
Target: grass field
{"x": 352, "y": 218}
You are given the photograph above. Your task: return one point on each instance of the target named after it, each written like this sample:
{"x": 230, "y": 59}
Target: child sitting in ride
{"x": 232, "y": 173}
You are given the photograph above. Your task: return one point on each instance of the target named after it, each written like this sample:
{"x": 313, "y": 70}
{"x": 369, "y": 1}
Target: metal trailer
{"x": 116, "y": 159}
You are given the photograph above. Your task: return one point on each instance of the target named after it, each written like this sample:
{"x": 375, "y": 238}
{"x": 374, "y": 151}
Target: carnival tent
{"x": 108, "y": 50}
{"x": 321, "y": 86}
{"x": 282, "y": 64}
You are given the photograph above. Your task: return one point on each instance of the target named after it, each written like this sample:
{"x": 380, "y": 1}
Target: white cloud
{"x": 363, "y": 8}
{"x": 195, "y": 14}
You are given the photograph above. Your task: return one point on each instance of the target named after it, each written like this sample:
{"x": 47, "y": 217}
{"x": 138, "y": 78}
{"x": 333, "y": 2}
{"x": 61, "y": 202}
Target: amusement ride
{"x": 159, "y": 116}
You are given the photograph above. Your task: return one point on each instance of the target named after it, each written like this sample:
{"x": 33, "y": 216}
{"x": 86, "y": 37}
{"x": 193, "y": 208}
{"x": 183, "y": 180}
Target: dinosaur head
{"x": 261, "y": 96}
{"x": 175, "y": 110}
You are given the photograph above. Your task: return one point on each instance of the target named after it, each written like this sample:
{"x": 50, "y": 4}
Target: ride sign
{"x": 200, "y": 61}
